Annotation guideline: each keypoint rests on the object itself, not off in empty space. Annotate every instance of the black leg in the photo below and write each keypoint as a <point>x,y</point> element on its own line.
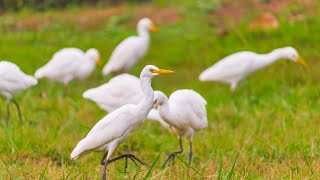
<point>190,156</point>
<point>104,170</point>
<point>8,112</point>
<point>132,157</point>
<point>104,165</point>
<point>126,165</point>
<point>18,108</point>
<point>172,155</point>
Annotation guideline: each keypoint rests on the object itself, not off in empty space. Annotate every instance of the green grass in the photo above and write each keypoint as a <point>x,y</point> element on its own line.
<point>272,134</point>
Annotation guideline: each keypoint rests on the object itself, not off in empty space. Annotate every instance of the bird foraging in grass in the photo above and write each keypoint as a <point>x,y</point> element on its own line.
<point>236,67</point>
<point>115,127</point>
<point>12,81</point>
<point>130,50</point>
<point>69,64</point>
<point>185,112</point>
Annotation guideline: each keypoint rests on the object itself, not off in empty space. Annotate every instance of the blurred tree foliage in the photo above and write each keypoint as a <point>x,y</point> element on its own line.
<point>15,5</point>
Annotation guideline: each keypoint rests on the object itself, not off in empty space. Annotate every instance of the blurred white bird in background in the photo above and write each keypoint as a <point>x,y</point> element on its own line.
<point>185,112</point>
<point>69,64</point>
<point>236,67</point>
<point>114,128</point>
<point>130,50</point>
<point>12,81</point>
<point>120,90</point>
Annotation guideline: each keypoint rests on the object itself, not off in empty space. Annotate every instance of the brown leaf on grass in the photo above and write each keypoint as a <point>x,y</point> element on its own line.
<point>266,21</point>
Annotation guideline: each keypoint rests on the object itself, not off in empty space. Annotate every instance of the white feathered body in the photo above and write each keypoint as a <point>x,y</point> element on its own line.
<point>231,68</point>
<point>66,65</point>
<point>13,80</point>
<point>236,67</point>
<point>186,113</point>
<point>110,131</point>
<point>127,54</point>
<point>120,90</point>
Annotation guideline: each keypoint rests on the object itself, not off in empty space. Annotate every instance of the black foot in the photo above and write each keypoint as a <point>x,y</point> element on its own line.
<point>132,157</point>
<point>170,159</point>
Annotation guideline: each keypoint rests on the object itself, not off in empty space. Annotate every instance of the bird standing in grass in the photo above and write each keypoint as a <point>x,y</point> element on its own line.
<point>236,67</point>
<point>12,81</point>
<point>120,90</point>
<point>185,112</point>
<point>114,128</point>
<point>68,64</point>
<point>130,50</point>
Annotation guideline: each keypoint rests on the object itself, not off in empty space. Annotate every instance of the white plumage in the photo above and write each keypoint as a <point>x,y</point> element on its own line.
<point>130,50</point>
<point>185,112</point>
<point>114,128</point>
<point>120,90</point>
<point>236,67</point>
<point>12,81</point>
<point>69,64</point>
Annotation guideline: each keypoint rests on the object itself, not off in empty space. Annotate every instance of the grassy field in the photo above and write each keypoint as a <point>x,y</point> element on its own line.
<point>271,134</point>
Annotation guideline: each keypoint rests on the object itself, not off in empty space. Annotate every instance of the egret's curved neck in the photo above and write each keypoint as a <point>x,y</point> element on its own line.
<point>88,65</point>
<point>267,59</point>
<point>164,109</point>
<point>147,101</point>
<point>143,32</point>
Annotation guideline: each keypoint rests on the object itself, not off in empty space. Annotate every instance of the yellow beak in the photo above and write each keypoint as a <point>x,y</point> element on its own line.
<point>154,104</point>
<point>162,71</point>
<point>153,28</point>
<point>99,62</point>
<point>301,61</point>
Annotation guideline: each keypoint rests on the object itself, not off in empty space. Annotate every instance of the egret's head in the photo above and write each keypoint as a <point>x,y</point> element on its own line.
<point>151,71</point>
<point>159,98</point>
<point>292,54</point>
<point>93,54</point>
<point>146,24</point>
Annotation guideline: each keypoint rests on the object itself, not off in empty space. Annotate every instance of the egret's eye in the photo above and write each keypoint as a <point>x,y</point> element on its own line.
<point>152,70</point>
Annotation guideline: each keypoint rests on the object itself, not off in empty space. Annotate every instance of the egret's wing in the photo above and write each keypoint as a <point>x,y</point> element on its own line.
<point>64,62</point>
<point>111,127</point>
<point>125,55</point>
<point>13,79</point>
<point>230,67</point>
<point>120,90</point>
<point>189,107</point>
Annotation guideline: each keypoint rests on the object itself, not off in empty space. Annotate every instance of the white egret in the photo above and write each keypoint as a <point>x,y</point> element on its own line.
<point>236,67</point>
<point>120,90</point>
<point>185,112</point>
<point>130,50</point>
<point>12,81</point>
<point>68,64</point>
<point>115,127</point>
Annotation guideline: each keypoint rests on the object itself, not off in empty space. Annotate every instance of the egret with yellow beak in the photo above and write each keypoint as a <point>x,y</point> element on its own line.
<point>69,64</point>
<point>114,128</point>
<point>130,50</point>
<point>236,67</point>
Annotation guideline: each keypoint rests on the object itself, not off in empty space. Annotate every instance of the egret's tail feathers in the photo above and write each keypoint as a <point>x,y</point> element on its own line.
<point>39,73</point>
<point>32,81</point>
<point>78,151</point>
<point>203,76</point>
<point>106,70</point>
<point>89,94</point>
